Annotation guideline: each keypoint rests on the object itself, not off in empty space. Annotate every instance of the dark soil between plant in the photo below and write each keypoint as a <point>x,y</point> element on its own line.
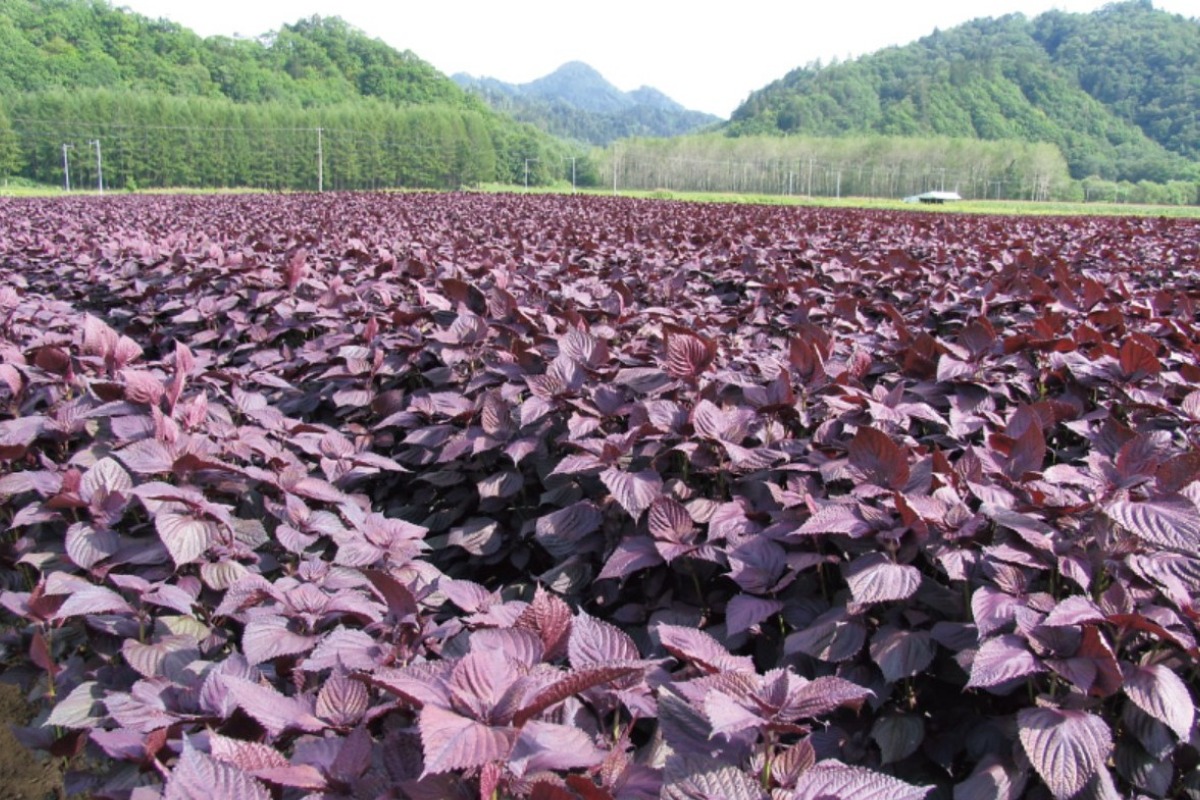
<point>23,776</point>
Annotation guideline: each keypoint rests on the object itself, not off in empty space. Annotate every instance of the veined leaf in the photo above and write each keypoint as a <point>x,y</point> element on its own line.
<point>875,578</point>
<point>452,741</point>
<point>1066,747</point>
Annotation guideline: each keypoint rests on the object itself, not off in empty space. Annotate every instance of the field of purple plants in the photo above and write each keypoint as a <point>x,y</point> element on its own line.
<point>459,496</point>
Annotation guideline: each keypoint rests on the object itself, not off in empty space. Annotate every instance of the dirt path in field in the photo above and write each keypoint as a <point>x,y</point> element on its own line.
<point>22,776</point>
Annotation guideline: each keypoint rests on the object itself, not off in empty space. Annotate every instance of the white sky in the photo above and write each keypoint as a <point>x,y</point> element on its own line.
<point>707,56</point>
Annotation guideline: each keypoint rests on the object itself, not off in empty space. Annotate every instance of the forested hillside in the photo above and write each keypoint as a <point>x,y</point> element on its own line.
<point>577,102</point>
<point>1116,90</point>
<point>171,108</point>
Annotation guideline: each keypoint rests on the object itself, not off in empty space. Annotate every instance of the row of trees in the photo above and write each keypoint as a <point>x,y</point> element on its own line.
<point>870,166</point>
<point>153,140</point>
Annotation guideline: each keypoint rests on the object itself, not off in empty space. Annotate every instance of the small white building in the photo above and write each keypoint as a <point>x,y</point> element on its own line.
<point>933,197</point>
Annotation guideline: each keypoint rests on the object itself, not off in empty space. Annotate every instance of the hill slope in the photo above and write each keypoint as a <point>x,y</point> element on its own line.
<point>70,44</point>
<point>1115,90</point>
<point>317,103</point>
<point>577,102</point>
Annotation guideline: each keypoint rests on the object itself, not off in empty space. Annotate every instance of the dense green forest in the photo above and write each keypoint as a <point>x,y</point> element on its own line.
<point>170,108</point>
<point>1116,90</point>
<point>576,102</point>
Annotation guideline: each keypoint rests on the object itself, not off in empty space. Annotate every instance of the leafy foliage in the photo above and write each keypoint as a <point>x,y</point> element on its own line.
<point>553,497</point>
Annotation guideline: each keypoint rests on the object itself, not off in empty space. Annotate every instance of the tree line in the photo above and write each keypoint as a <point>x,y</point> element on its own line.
<point>159,141</point>
<point>867,166</point>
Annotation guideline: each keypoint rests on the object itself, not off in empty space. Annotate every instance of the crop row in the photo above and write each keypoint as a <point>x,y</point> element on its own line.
<point>436,496</point>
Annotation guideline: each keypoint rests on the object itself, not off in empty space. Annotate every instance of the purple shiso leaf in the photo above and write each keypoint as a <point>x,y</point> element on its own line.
<point>714,782</point>
<point>878,460</point>
<point>833,779</point>
<point>631,554</point>
<point>152,659</point>
<point>1162,694</point>
<point>269,637</point>
<point>550,618</point>
<point>595,642</point>
<point>730,425</point>
<point>87,600</point>
<point>898,736</point>
<point>186,536</point>
<point>992,609</point>
<point>820,696</point>
<point>573,683</point>
<point>669,521</point>
<point>727,716</point>
<point>901,654</point>
<point>835,636</point>
<point>81,709</point>
<point>418,684</point>
<point>342,701</point>
<point>451,741</point>
<point>42,482</point>
<point>246,756</point>
<point>147,457</point>
<point>634,491</point>
<point>521,645</point>
<point>274,711</point>
<point>1074,610</point>
<point>875,578</point>
<point>993,779</point>
<point>697,647</point>
<point>198,776</point>
<point>688,353</point>
<point>561,531</point>
<point>87,545</point>
<point>352,649</point>
<point>142,709</point>
<point>1172,523</point>
<point>300,776</point>
<point>584,348</point>
<point>1066,747</point>
<point>105,478</point>
<point>834,518</point>
<point>545,746</point>
<point>1002,659</point>
<point>745,611</point>
<point>480,679</point>
<point>354,757</point>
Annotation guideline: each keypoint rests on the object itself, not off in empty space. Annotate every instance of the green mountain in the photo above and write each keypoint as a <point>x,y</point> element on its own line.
<point>82,44</point>
<point>1116,90</point>
<point>314,103</point>
<point>575,101</point>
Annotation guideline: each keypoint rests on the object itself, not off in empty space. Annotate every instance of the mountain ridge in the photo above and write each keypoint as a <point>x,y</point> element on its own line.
<point>577,102</point>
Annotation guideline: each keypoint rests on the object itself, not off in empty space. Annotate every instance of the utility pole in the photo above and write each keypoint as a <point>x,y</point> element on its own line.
<point>527,173</point>
<point>99,167</point>
<point>320,161</point>
<point>564,158</point>
<point>67,166</point>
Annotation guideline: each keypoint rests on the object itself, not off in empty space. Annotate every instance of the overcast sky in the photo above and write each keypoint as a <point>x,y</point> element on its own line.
<point>707,57</point>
